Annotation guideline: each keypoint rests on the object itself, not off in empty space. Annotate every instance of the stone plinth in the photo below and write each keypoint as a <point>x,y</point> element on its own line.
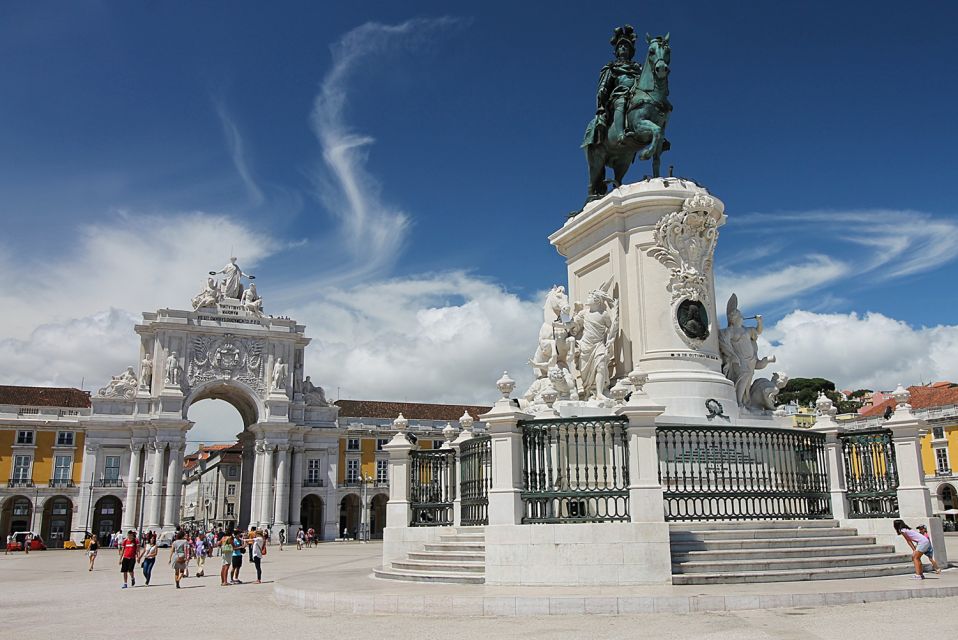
<point>655,240</point>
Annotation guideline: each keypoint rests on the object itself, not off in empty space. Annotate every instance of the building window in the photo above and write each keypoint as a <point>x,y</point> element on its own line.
<point>21,507</point>
<point>231,489</point>
<point>941,458</point>
<point>352,444</point>
<point>352,471</point>
<point>60,507</point>
<point>230,509</point>
<point>24,437</point>
<point>938,432</point>
<point>61,468</point>
<point>231,472</point>
<point>111,468</point>
<point>313,471</point>
<point>64,438</point>
<point>382,471</point>
<point>380,443</point>
<point>21,468</point>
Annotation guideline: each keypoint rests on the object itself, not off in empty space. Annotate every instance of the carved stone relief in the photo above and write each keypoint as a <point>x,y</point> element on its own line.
<point>227,357</point>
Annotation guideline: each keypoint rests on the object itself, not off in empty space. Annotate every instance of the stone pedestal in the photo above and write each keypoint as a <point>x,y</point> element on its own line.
<point>655,240</point>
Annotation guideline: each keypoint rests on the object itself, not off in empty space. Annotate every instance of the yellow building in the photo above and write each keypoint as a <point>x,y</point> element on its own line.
<point>41,456</point>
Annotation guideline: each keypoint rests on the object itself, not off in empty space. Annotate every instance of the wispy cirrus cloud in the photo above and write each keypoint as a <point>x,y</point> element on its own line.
<point>374,230</point>
<point>237,149</point>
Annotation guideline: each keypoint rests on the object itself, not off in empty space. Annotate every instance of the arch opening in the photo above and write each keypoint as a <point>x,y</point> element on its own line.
<point>377,515</point>
<point>311,515</point>
<point>57,521</point>
<point>349,515</point>
<point>107,512</point>
<point>16,515</point>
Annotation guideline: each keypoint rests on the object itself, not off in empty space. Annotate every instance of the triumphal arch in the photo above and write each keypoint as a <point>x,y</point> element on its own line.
<point>225,347</point>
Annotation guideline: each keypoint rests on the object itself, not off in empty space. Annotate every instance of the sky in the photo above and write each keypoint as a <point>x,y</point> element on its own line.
<point>390,173</point>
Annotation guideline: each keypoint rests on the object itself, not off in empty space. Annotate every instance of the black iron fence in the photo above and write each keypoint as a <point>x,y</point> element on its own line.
<point>431,489</point>
<point>475,469</point>
<point>741,473</point>
<point>871,474</point>
<point>575,470</point>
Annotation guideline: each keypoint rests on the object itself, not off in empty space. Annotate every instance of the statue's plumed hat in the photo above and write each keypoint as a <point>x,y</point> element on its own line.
<point>624,34</point>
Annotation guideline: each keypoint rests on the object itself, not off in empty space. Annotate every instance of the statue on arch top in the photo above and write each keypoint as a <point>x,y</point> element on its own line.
<point>232,286</point>
<point>632,110</point>
<point>209,296</point>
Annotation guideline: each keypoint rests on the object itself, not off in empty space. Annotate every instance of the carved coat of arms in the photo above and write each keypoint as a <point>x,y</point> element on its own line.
<point>227,357</point>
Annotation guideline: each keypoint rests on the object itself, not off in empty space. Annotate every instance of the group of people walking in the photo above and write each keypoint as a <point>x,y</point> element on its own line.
<point>231,545</point>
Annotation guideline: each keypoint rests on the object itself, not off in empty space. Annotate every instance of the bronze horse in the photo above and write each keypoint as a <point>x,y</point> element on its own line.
<point>642,129</point>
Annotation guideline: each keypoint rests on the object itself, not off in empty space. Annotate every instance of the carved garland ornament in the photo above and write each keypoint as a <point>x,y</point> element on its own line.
<point>685,242</point>
<point>227,358</point>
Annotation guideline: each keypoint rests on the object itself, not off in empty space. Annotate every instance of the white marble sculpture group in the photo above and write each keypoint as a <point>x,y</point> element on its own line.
<point>574,357</point>
<point>231,286</point>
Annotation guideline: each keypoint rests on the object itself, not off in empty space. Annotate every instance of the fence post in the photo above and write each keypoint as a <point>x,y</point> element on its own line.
<point>398,513</point>
<point>466,423</point>
<point>834,456</point>
<point>645,490</point>
<point>914,499</point>
<point>502,424</point>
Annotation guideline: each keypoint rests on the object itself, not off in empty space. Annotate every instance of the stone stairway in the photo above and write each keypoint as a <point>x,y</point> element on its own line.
<point>777,551</point>
<point>458,558</point>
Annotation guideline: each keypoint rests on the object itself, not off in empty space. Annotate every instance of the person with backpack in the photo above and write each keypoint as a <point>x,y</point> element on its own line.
<point>258,550</point>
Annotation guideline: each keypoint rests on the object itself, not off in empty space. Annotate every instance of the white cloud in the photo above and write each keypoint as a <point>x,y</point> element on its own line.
<point>374,231</point>
<point>781,283</point>
<point>237,149</point>
<point>862,351</point>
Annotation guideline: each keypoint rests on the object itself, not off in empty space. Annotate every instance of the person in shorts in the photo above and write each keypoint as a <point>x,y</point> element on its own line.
<point>239,546</point>
<point>919,544</point>
<point>91,551</point>
<point>128,548</point>
<point>923,530</point>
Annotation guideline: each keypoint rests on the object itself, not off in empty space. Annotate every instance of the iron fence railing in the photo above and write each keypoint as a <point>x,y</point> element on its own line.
<point>742,473</point>
<point>871,474</point>
<point>475,479</point>
<point>575,470</point>
<point>431,490</point>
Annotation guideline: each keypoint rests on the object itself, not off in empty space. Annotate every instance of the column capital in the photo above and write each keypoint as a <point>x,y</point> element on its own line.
<point>91,447</point>
<point>137,443</point>
<point>300,449</point>
<point>158,445</point>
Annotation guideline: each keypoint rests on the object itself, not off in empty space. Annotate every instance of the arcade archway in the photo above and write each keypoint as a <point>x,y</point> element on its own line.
<point>377,515</point>
<point>349,514</point>
<point>57,521</point>
<point>107,512</point>
<point>311,512</point>
<point>16,515</point>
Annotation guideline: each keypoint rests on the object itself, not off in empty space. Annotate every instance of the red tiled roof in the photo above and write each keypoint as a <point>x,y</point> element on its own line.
<point>410,410</point>
<point>935,395</point>
<point>44,396</point>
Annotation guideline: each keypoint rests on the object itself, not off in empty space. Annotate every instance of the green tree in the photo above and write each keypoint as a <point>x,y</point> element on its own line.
<point>805,391</point>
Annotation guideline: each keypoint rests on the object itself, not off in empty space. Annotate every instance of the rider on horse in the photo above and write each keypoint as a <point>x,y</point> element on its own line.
<point>617,82</point>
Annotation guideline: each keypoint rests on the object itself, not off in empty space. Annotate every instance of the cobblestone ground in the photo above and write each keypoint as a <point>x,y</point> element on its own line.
<point>52,595</point>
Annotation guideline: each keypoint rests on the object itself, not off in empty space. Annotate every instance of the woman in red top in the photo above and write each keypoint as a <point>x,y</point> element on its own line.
<point>128,548</point>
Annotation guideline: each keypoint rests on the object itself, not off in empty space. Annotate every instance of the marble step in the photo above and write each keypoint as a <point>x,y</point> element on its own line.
<point>739,566</point>
<point>419,576</point>
<point>794,575</point>
<point>760,554</point>
<point>753,524</point>
<point>462,537</point>
<point>691,544</point>
<point>682,535</point>
<point>431,566</point>
<point>456,546</point>
<point>448,556</point>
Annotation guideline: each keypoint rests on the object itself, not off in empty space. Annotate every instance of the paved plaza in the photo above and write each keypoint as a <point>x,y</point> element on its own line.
<point>51,594</point>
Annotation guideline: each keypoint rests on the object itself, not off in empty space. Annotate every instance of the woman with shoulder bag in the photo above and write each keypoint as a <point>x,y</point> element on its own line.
<point>258,551</point>
<point>178,557</point>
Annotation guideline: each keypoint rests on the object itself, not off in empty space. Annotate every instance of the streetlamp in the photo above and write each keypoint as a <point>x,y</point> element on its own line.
<point>141,484</point>
<point>364,511</point>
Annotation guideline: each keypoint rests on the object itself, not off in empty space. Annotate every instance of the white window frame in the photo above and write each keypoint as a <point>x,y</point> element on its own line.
<point>62,472</point>
<point>314,470</point>
<point>107,475</point>
<point>382,471</point>
<point>352,470</point>
<point>942,463</point>
<point>380,442</point>
<point>349,444</point>
<point>65,438</point>
<point>230,509</point>
<point>27,474</point>
<point>232,471</point>
<point>26,432</point>
<point>231,489</point>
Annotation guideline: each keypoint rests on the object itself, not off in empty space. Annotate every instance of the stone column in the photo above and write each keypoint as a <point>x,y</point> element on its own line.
<point>296,491</point>
<point>645,491</point>
<point>156,495</point>
<point>257,492</point>
<point>281,508</point>
<point>398,512</point>
<point>174,486</point>
<point>83,519</point>
<point>834,457</point>
<point>130,506</point>
<point>502,424</point>
<point>914,499</point>
<point>266,513</point>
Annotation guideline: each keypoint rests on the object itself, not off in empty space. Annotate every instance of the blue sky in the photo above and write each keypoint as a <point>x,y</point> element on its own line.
<point>389,169</point>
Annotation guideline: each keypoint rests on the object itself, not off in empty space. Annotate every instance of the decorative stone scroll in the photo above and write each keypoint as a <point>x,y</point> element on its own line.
<point>685,243</point>
<point>227,358</point>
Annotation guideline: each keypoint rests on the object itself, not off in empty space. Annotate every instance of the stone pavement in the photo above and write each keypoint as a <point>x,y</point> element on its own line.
<point>51,594</point>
